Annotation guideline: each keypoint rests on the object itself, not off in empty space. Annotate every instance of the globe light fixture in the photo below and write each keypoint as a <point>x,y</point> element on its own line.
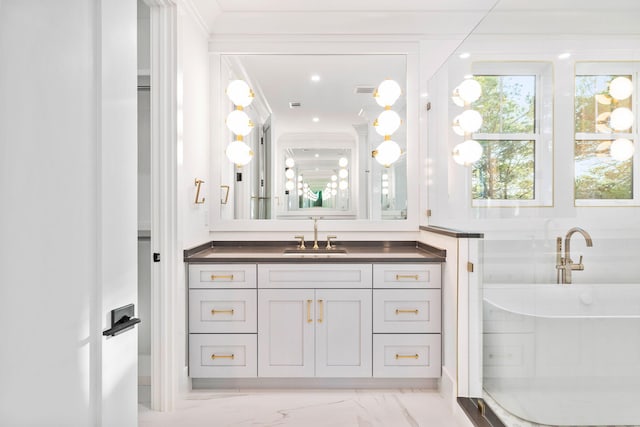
<point>468,91</point>
<point>343,173</point>
<point>621,119</point>
<point>343,185</point>
<point>620,88</point>
<point>239,123</point>
<point>470,121</point>
<point>289,185</point>
<point>387,122</point>
<point>387,152</point>
<point>387,93</point>
<point>239,152</point>
<point>289,162</point>
<point>289,173</point>
<point>343,162</point>
<point>240,93</point>
<point>622,149</point>
<point>467,152</point>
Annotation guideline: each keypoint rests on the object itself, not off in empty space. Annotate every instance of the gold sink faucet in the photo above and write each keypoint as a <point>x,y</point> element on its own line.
<point>315,231</point>
<point>565,264</point>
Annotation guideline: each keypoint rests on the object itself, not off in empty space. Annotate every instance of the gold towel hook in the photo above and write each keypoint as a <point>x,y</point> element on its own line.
<point>198,183</point>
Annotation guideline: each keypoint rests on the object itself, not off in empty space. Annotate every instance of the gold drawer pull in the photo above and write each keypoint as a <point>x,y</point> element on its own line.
<point>406,276</point>
<point>321,309</point>
<point>407,356</point>
<point>222,356</point>
<point>309,320</point>
<point>214,312</point>
<point>399,311</point>
<point>225,276</point>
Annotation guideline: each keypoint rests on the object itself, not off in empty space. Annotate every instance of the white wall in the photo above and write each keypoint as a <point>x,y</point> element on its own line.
<point>60,252</point>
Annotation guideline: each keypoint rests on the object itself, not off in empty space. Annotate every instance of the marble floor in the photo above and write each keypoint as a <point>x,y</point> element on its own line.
<point>308,408</point>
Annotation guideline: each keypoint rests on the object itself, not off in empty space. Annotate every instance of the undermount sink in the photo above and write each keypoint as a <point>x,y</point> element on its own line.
<point>308,252</point>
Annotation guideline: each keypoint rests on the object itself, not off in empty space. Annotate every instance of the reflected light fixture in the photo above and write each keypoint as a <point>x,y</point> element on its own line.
<point>315,78</point>
<point>621,149</point>
<point>239,122</point>
<point>387,122</point>
<point>388,152</point>
<point>620,88</point>
<point>289,162</point>
<point>621,119</point>
<point>467,152</point>
<point>387,93</point>
<point>343,162</point>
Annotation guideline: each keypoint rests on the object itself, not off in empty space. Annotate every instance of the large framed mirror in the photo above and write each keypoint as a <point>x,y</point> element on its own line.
<point>312,139</point>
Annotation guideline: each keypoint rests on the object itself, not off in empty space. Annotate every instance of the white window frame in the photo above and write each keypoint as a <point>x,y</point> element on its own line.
<point>543,130</point>
<point>631,68</point>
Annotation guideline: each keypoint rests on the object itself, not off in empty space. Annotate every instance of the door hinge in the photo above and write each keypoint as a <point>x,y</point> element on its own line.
<point>470,267</point>
<point>428,212</point>
<point>156,257</point>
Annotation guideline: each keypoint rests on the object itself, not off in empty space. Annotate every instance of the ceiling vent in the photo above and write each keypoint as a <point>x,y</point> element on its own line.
<point>295,104</point>
<point>367,90</point>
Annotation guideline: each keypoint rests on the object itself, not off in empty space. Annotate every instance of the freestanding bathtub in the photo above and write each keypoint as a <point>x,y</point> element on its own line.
<point>563,355</point>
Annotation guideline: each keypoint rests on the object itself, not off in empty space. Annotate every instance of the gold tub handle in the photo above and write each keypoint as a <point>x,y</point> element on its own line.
<point>406,276</point>
<point>399,311</point>
<point>407,356</point>
<point>222,356</point>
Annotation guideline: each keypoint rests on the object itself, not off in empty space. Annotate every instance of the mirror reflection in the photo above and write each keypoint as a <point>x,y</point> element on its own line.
<point>308,141</point>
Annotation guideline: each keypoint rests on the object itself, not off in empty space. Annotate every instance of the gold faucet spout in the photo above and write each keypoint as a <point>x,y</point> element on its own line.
<point>566,263</point>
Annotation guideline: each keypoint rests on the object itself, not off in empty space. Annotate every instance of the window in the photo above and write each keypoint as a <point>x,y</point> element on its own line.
<point>604,177</point>
<point>515,167</point>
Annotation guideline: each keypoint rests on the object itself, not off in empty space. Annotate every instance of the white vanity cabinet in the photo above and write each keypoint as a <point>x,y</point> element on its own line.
<point>307,327</point>
<point>406,320</point>
<point>315,319</point>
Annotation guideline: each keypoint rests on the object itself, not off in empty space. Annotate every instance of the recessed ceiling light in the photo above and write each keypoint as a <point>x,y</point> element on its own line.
<point>316,155</point>
<point>464,55</point>
<point>316,119</point>
<point>564,55</point>
<point>315,78</point>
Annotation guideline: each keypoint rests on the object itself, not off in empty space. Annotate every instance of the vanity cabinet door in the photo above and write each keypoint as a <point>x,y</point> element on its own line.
<point>286,319</point>
<point>343,333</point>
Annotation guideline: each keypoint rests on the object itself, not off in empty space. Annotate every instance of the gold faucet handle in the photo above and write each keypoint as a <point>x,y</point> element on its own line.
<point>301,238</point>
<point>329,237</point>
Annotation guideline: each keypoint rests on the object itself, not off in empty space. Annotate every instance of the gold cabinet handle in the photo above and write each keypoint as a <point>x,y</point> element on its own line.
<point>214,312</point>
<point>321,310</point>
<point>309,320</point>
<point>406,276</point>
<point>222,356</point>
<point>199,201</point>
<point>223,276</point>
<point>407,356</point>
<point>226,195</point>
<point>399,311</point>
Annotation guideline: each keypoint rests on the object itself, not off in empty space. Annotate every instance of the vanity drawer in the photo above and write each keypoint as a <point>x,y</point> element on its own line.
<point>406,310</point>
<point>406,276</point>
<point>406,355</point>
<point>226,311</point>
<point>222,276</point>
<point>318,275</point>
<point>223,355</point>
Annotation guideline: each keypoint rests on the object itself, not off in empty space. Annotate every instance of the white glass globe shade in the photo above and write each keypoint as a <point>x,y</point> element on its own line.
<point>289,162</point>
<point>334,177</point>
<point>343,173</point>
<point>387,93</point>
<point>385,176</point>
<point>469,90</point>
<point>385,184</point>
<point>622,149</point>
<point>334,185</point>
<point>456,99</point>
<point>344,185</point>
<point>388,122</point>
<point>289,185</point>
<point>620,88</point>
<point>343,162</point>
<point>305,185</point>
<point>239,93</point>
<point>300,178</point>
<point>300,193</point>
<point>334,192</point>
<point>385,191</point>
<point>289,173</point>
<point>239,123</point>
<point>470,121</point>
<point>387,153</point>
<point>621,119</point>
<point>467,152</point>
<point>239,153</point>
<point>456,126</point>
<point>299,185</point>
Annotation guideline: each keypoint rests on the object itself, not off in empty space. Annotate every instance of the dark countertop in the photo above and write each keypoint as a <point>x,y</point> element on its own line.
<point>272,252</point>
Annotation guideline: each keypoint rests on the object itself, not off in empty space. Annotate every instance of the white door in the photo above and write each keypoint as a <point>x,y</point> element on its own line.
<point>343,333</point>
<point>117,207</point>
<point>285,332</point>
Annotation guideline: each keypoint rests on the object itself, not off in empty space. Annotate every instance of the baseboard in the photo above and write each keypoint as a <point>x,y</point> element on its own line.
<point>313,383</point>
<point>448,388</point>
